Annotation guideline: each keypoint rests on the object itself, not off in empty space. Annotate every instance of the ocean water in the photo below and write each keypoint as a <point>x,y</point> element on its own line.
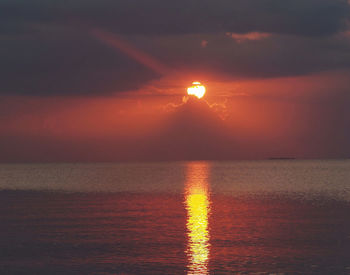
<point>257,217</point>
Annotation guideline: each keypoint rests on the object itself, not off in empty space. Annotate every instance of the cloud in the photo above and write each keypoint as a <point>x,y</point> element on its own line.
<point>216,109</point>
<point>76,63</point>
<point>67,63</point>
<point>47,49</point>
<point>204,43</point>
<point>279,55</point>
<point>303,17</point>
<point>250,36</point>
<point>193,130</point>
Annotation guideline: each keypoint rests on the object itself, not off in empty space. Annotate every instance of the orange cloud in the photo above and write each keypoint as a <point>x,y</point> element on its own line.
<point>250,36</point>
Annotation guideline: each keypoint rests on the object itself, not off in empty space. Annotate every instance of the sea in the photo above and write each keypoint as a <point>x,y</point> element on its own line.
<point>200,217</point>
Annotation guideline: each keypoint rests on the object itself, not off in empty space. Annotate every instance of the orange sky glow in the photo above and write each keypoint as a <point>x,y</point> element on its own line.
<point>240,119</point>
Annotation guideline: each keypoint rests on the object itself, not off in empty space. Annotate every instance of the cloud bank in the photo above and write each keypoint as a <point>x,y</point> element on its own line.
<point>47,47</point>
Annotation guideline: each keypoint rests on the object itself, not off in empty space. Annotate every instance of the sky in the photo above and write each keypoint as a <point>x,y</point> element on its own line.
<point>106,80</point>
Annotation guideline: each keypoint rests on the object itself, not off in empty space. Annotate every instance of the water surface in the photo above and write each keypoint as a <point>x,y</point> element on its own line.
<point>263,217</point>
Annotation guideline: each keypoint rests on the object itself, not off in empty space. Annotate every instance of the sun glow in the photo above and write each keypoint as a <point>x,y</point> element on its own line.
<point>197,89</point>
<point>198,208</point>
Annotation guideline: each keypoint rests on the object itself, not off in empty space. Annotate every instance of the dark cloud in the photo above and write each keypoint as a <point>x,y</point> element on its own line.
<point>46,48</point>
<point>194,130</point>
<point>272,56</point>
<point>66,62</point>
<point>305,17</point>
<point>70,62</point>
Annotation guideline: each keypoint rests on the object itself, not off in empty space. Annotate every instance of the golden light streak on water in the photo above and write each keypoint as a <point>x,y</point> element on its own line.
<point>198,207</point>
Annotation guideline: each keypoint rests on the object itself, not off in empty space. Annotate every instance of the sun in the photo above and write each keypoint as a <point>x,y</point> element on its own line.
<point>197,89</point>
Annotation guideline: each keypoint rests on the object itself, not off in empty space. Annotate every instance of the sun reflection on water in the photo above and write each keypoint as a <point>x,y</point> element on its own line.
<point>198,208</point>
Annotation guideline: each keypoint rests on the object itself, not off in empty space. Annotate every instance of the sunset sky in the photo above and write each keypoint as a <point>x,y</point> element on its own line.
<point>101,80</point>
